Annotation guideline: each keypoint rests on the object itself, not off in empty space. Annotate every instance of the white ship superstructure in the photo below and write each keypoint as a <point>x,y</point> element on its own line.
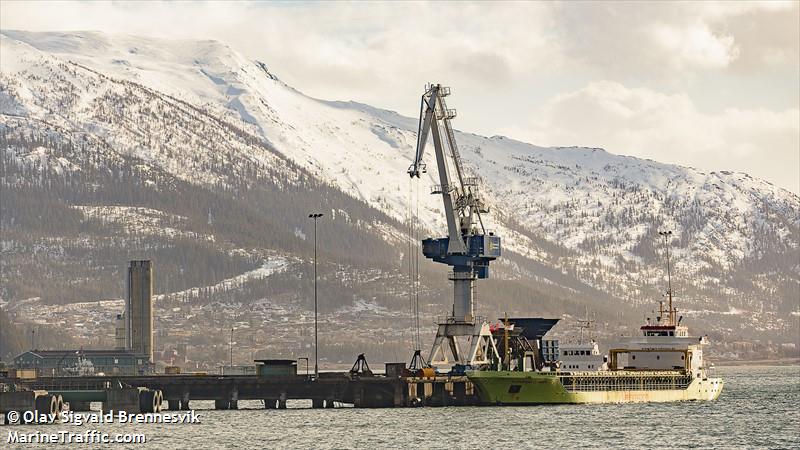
<point>581,356</point>
<point>663,345</point>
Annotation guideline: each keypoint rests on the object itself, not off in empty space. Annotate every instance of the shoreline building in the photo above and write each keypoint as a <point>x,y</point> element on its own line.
<point>59,363</point>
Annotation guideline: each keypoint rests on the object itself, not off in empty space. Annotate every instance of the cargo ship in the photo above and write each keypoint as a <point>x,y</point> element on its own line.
<point>662,364</point>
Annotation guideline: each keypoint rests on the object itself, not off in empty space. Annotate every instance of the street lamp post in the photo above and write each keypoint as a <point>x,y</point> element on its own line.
<point>230,366</point>
<point>315,216</point>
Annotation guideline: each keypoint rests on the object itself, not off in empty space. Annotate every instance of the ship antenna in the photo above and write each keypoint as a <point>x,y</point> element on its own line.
<point>585,323</point>
<point>666,235</point>
<point>506,355</point>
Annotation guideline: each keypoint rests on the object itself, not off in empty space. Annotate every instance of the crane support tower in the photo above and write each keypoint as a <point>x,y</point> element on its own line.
<point>467,248</point>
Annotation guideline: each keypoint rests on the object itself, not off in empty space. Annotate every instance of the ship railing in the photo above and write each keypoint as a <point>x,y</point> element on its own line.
<point>589,381</point>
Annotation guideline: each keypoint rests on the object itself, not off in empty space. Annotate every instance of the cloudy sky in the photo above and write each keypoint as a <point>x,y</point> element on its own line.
<point>710,85</point>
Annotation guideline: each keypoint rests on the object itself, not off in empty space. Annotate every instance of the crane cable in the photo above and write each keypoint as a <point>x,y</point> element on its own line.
<point>409,263</point>
<point>417,251</point>
<point>413,250</point>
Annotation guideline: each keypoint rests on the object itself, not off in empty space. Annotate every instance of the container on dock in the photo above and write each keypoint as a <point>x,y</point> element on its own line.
<point>395,369</point>
<point>23,374</point>
<point>276,367</point>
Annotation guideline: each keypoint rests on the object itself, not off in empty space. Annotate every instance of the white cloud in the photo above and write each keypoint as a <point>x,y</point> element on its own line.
<point>694,45</point>
<point>669,127</point>
<point>738,60</point>
<point>673,39</point>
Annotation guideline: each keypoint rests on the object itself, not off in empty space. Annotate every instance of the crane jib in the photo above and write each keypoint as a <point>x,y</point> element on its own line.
<point>468,248</point>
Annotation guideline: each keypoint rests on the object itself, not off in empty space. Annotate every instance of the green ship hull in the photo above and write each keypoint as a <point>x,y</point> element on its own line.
<point>531,388</point>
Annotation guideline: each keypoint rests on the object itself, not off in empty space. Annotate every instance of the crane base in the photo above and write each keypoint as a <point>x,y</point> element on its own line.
<point>451,337</point>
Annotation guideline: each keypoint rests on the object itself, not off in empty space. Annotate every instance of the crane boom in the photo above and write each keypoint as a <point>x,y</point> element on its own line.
<point>462,205</point>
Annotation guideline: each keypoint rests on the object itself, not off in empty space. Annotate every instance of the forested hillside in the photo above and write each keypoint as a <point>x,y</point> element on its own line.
<point>186,153</point>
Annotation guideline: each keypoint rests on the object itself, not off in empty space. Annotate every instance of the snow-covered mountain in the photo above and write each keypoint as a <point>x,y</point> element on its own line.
<point>199,113</point>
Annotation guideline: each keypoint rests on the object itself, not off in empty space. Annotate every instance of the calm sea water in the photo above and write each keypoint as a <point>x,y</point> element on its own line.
<point>759,408</point>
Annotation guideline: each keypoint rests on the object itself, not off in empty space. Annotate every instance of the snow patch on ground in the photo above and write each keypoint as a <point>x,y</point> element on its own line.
<point>267,268</point>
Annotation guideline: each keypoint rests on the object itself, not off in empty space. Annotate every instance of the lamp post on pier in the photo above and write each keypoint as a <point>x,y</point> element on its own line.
<point>230,366</point>
<point>315,216</point>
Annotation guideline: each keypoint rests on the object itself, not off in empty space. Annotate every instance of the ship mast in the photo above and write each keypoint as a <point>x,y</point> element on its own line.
<point>667,234</point>
<point>585,323</point>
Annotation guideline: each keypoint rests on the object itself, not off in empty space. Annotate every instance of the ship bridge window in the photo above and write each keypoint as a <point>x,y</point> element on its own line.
<point>657,333</point>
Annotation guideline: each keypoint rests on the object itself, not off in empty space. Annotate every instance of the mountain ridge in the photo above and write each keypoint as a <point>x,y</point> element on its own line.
<point>581,211</point>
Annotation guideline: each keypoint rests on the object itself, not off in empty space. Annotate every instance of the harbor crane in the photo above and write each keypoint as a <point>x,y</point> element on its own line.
<point>468,247</point>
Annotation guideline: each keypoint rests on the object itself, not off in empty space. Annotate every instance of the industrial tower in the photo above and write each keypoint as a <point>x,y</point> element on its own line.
<point>467,247</point>
<point>139,308</point>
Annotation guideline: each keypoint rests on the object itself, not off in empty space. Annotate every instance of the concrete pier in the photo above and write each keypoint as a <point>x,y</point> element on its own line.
<point>25,401</point>
<point>80,406</point>
<point>282,401</point>
<point>133,400</point>
<point>220,404</point>
<point>180,403</point>
<point>126,399</point>
<point>344,388</point>
<point>42,402</point>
